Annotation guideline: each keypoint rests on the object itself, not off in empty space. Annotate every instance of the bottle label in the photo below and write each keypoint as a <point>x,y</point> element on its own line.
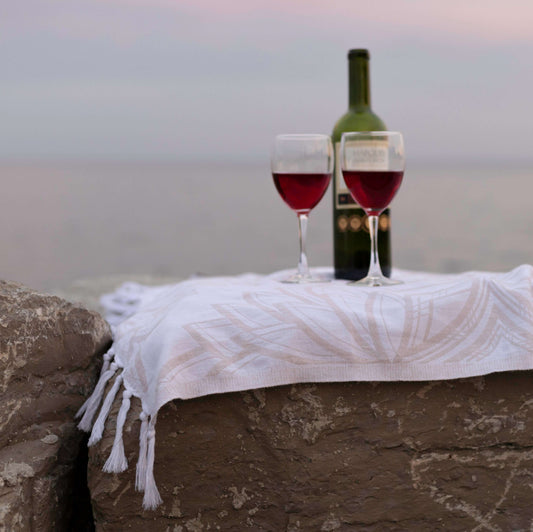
<point>356,223</point>
<point>363,154</point>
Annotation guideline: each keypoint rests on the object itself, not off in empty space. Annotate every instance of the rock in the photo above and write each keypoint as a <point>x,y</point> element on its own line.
<point>47,369</point>
<point>418,456</point>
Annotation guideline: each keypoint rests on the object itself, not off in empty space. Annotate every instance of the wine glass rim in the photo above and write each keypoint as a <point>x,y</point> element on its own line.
<point>371,133</point>
<point>300,136</point>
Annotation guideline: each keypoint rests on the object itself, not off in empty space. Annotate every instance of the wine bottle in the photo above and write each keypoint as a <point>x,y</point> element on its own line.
<point>350,225</point>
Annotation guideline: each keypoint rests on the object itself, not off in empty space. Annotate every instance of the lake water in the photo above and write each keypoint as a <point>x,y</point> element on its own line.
<point>62,222</point>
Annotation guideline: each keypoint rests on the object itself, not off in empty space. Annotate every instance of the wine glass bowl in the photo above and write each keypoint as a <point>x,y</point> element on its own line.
<point>372,165</point>
<point>301,192</point>
<point>301,168</point>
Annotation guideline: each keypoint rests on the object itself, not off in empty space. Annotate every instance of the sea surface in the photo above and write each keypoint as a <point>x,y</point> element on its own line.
<point>61,222</point>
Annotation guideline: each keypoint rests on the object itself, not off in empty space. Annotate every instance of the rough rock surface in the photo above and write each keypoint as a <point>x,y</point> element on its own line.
<point>47,369</point>
<point>404,456</point>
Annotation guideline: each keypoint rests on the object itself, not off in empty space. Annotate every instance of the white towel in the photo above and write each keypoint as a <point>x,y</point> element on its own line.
<point>225,334</point>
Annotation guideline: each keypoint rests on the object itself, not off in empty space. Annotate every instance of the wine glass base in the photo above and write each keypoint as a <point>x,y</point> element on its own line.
<point>298,278</point>
<point>371,280</point>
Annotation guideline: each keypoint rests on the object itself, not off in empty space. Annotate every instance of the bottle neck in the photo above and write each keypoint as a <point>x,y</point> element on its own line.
<point>359,83</point>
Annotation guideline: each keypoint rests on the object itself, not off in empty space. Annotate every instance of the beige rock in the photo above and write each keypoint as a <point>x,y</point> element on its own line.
<point>410,456</point>
<point>47,369</point>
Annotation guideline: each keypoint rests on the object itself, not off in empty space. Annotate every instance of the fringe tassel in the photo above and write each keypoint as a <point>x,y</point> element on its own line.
<point>98,427</point>
<point>116,463</point>
<point>140,474</point>
<point>105,366</point>
<point>94,401</point>
<point>151,499</point>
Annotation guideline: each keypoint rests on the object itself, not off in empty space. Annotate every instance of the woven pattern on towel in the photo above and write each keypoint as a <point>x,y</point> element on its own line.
<point>225,334</point>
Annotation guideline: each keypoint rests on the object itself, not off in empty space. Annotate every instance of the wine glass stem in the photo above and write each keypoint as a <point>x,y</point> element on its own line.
<point>303,268</point>
<point>375,269</point>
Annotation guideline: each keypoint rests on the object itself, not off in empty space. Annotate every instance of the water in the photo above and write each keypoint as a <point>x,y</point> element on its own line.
<point>62,222</point>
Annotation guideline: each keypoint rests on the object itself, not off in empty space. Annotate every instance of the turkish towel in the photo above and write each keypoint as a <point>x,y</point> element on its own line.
<point>225,334</point>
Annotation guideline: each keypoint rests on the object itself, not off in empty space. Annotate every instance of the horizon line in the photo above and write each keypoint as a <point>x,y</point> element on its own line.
<point>170,159</point>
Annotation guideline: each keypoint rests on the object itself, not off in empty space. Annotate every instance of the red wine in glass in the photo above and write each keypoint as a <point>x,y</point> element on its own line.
<point>372,164</point>
<point>301,166</point>
<point>373,189</point>
<point>301,192</point>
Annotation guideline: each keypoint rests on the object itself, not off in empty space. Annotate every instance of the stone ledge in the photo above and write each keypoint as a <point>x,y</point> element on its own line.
<point>443,455</point>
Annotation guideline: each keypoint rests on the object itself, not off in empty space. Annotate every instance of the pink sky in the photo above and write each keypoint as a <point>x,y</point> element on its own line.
<point>492,20</point>
<point>165,70</point>
<point>484,21</point>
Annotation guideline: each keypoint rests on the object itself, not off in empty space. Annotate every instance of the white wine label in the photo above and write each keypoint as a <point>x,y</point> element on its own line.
<point>367,154</point>
<point>363,154</point>
<point>343,199</point>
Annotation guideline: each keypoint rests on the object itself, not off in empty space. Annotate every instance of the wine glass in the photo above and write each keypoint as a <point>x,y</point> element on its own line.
<point>372,164</point>
<point>301,167</point>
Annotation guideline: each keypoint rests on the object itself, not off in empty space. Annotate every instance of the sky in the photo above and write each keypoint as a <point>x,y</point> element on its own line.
<point>212,79</point>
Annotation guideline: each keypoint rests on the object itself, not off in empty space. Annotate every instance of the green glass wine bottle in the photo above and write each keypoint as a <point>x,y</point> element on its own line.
<point>350,226</point>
